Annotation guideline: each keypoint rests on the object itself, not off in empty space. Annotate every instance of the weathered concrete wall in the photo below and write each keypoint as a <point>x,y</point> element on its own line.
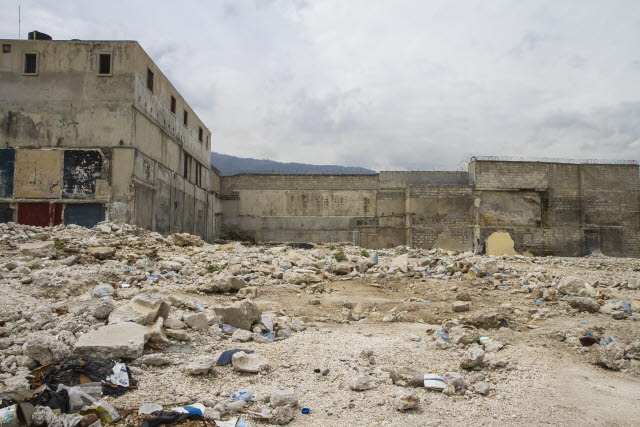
<point>547,208</point>
<point>560,208</point>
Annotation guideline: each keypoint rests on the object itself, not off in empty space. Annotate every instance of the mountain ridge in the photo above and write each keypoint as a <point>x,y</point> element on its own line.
<point>231,165</point>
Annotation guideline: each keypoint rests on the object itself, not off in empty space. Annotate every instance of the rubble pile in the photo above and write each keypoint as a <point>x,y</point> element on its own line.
<point>258,319</point>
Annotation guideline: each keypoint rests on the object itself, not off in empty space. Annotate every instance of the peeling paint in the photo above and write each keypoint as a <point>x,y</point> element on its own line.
<point>81,169</point>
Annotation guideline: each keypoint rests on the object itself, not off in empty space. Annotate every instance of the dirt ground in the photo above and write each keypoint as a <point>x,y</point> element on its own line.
<point>535,372</point>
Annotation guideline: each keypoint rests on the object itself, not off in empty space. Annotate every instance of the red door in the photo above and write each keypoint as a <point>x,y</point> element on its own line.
<point>40,214</point>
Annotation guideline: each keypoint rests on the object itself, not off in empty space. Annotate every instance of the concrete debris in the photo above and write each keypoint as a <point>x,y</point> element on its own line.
<point>102,252</point>
<point>46,349</point>
<point>473,358</point>
<point>352,330</point>
<point>584,304</point>
<point>124,340</point>
<point>252,363</point>
<point>243,314</point>
<point>185,239</point>
<point>202,365</point>
<point>407,402</point>
<point>286,397</point>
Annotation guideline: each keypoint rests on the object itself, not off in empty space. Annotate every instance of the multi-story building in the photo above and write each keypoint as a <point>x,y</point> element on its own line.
<point>93,130</point>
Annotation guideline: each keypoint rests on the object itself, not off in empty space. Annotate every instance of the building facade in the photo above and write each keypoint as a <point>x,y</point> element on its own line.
<point>93,130</point>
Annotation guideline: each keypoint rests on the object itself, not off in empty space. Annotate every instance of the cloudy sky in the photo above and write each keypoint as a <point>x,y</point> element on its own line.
<point>384,84</point>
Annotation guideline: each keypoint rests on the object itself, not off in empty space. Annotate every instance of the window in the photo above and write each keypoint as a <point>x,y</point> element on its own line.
<point>30,63</point>
<point>185,118</point>
<point>173,104</point>
<point>6,48</point>
<point>150,79</point>
<point>104,64</point>
<point>200,134</point>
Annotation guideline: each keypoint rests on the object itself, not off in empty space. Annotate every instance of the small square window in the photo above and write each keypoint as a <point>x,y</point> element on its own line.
<point>104,64</point>
<point>6,48</point>
<point>30,63</point>
<point>185,118</point>
<point>173,104</point>
<point>149,79</point>
<point>200,134</point>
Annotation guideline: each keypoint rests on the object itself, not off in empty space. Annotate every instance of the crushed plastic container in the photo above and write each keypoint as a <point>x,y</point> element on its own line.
<point>195,409</point>
<point>434,382</point>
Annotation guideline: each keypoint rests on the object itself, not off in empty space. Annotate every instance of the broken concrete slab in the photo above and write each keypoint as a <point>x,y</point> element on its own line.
<point>102,252</point>
<point>185,239</point>
<point>124,340</point>
<point>243,314</point>
<point>144,309</point>
<point>251,363</point>
<point>38,249</point>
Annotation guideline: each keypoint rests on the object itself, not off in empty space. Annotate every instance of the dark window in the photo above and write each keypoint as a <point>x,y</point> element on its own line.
<point>200,134</point>
<point>186,166</point>
<point>185,118</point>
<point>104,66</point>
<point>6,48</point>
<point>150,80</point>
<point>173,104</point>
<point>30,63</point>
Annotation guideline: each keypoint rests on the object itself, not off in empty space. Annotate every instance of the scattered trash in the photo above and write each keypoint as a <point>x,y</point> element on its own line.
<point>588,341</point>
<point>434,382</point>
<point>195,409</point>
<point>305,411</point>
<point>120,376</point>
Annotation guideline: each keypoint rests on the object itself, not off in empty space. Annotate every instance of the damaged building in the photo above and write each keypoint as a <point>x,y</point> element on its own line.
<point>93,130</point>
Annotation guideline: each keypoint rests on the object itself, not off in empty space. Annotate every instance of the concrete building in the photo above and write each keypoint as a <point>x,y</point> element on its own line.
<point>92,130</point>
<point>548,207</point>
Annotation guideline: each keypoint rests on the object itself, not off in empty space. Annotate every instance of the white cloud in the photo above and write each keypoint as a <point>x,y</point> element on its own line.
<point>403,84</point>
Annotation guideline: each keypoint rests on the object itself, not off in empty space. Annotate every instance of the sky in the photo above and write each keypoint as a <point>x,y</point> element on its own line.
<point>384,84</point>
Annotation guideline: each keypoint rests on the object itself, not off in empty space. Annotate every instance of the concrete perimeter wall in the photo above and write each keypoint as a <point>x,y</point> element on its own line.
<point>548,208</point>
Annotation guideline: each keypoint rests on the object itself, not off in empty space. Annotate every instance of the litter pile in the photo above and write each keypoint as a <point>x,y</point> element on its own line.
<point>237,334</point>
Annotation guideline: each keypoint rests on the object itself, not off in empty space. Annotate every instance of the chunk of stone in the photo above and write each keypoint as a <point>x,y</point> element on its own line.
<point>406,377</point>
<point>460,306</point>
<point>482,388</point>
<point>608,356</point>
<point>455,383</point>
<point>342,268</point>
<point>362,383</point>
<point>584,304</point>
<point>201,365</point>
<point>472,358</point>
<point>177,334</point>
<point>155,332</point>
<point>103,309</point>
<point>401,262</point>
<point>46,349</point>
<point>241,335</point>
<point>236,283</point>
<point>154,360</point>
<point>407,402</point>
<point>282,415</point>
<point>242,314</point>
<point>143,309</point>
<point>286,397</point>
<point>197,321</point>
<point>570,285</point>
<point>38,249</point>
<point>252,363</point>
<point>248,292</point>
<point>185,239</point>
<point>102,252</point>
<point>124,340</point>
<point>170,265</point>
